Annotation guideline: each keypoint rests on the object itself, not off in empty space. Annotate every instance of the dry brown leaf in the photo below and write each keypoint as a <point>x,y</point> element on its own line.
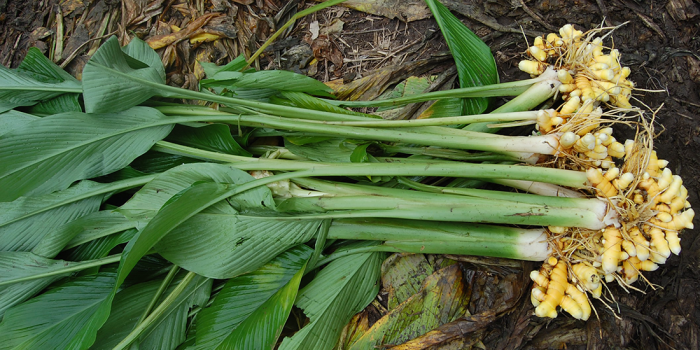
<point>160,41</point>
<point>373,85</point>
<point>693,68</point>
<point>325,49</point>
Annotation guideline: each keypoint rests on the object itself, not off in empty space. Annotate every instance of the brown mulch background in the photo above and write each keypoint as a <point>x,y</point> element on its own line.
<point>661,43</point>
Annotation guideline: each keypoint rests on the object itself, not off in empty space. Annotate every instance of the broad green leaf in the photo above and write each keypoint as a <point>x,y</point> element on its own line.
<point>14,119</point>
<point>106,87</point>
<point>37,79</point>
<point>84,229</point>
<point>79,146</point>
<point>59,104</point>
<point>153,162</point>
<point>210,69</point>
<point>268,79</point>
<point>27,220</point>
<point>442,298</point>
<point>359,154</point>
<point>99,248</point>
<point>156,193</point>
<point>208,137</point>
<point>249,312</point>
<point>139,50</point>
<point>227,245</point>
<point>475,63</point>
<point>14,265</point>
<point>343,288</point>
<point>64,318</point>
<point>37,66</point>
<point>176,210</point>
<point>169,331</point>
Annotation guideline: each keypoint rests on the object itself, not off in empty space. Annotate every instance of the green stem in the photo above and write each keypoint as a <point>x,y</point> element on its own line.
<point>141,327</point>
<point>450,154</point>
<point>447,137</point>
<point>528,100</point>
<point>592,204</point>
<point>161,289</point>
<point>467,119</point>
<point>414,236</point>
<point>450,208</point>
<point>393,167</point>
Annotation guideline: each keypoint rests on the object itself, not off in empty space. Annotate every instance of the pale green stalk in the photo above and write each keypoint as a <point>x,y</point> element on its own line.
<point>158,312</point>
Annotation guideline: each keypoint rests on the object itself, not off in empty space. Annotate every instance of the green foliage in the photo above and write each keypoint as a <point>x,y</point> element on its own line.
<point>65,317</point>
<point>475,63</point>
<point>80,146</point>
<point>14,265</point>
<point>113,80</point>
<point>250,311</point>
<point>343,288</point>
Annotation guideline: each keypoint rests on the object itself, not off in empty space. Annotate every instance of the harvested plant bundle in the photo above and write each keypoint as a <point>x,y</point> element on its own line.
<point>172,182</point>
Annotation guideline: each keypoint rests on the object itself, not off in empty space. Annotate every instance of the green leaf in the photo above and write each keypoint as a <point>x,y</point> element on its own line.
<point>105,84</point>
<point>250,311</point>
<point>36,80</point>
<point>359,154</point>
<point>37,66</point>
<point>82,230</point>
<point>156,193</point>
<point>59,104</point>
<point>50,153</point>
<point>99,248</point>
<point>153,162</point>
<point>14,119</point>
<point>177,210</point>
<point>42,69</point>
<point>14,265</point>
<point>475,63</point>
<point>227,245</point>
<point>209,137</point>
<point>139,50</point>
<point>268,79</point>
<point>169,331</point>
<point>210,69</point>
<point>343,288</point>
<point>19,89</point>
<point>27,220</point>
<point>65,317</point>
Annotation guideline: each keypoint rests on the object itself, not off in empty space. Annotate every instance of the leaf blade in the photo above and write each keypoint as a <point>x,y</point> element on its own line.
<point>339,291</point>
<point>250,310</point>
<point>81,146</point>
<point>475,63</point>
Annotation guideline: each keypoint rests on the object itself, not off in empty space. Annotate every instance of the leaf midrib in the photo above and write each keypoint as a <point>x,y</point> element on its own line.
<point>86,143</point>
<point>62,321</point>
<point>95,192</point>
